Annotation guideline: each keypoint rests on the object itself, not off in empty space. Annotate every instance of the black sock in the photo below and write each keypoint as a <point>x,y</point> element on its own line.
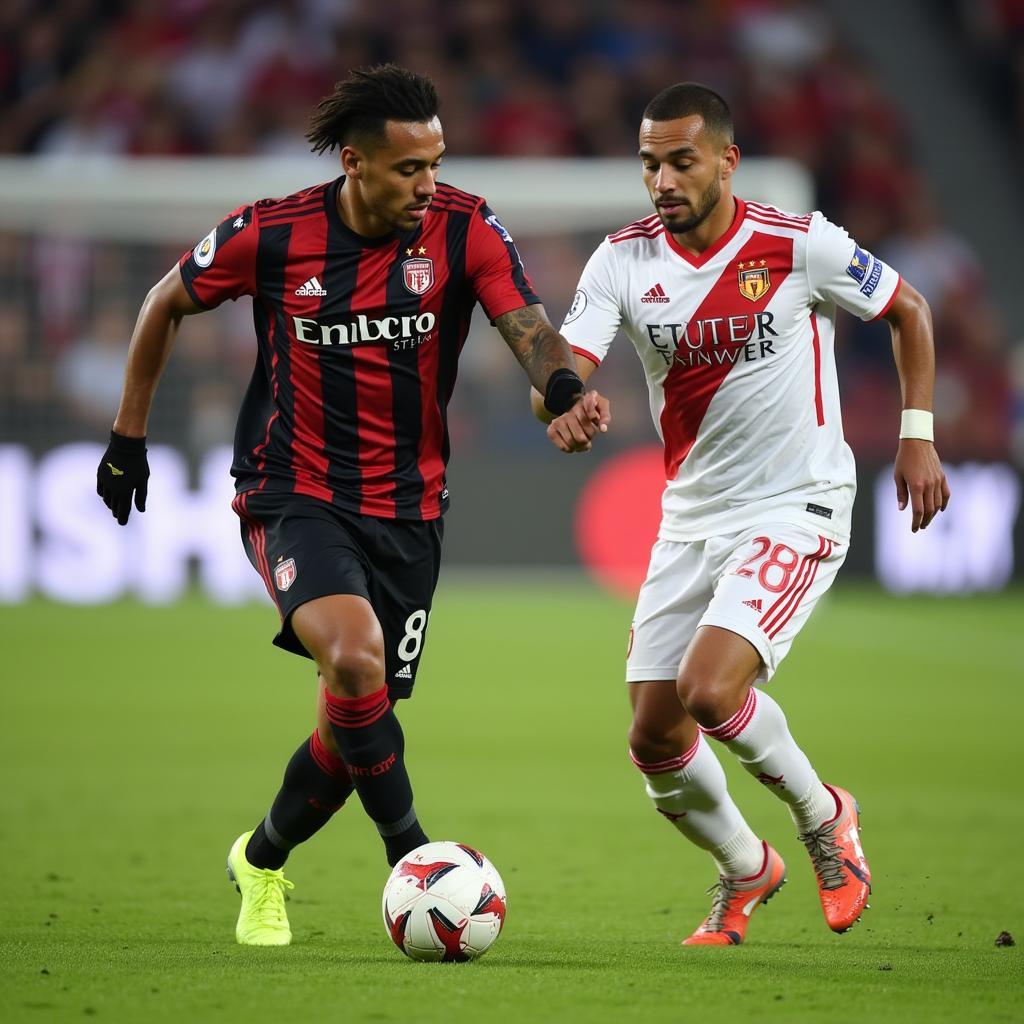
<point>396,847</point>
<point>371,743</point>
<point>316,784</point>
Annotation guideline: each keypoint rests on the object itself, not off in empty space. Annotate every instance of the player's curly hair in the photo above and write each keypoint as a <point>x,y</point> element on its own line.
<point>362,103</point>
<point>687,99</point>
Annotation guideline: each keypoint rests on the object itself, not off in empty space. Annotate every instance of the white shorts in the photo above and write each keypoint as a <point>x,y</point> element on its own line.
<point>761,583</point>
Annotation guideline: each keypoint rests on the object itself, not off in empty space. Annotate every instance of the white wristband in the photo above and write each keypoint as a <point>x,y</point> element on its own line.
<point>917,423</point>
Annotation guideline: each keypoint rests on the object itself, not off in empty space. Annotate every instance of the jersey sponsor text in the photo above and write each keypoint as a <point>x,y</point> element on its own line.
<point>363,329</point>
<point>707,341</point>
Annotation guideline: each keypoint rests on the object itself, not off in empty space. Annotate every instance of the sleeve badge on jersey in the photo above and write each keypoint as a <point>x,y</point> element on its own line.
<point>499,227</point>
<point>418,275</point>
<point>579,303</point>
<point>203,252</point>
<point>869,286</point>
<point>754,281</point>
<point>859,264</point>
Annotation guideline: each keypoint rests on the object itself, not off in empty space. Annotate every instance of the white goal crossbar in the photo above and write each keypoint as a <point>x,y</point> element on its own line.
<point>157,200</point>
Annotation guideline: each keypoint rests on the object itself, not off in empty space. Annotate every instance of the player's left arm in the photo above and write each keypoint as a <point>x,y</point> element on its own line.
<point>918,473</point>
<point>504,290</point>
<point>549,363</point>
<point>584,367</point>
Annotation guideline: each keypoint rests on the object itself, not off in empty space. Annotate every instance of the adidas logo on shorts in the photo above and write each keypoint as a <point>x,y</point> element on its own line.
<point>405,672</point>
<point>755,603</point>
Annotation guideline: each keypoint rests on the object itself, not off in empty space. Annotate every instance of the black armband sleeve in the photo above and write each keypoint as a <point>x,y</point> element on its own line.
<point>562,389</point>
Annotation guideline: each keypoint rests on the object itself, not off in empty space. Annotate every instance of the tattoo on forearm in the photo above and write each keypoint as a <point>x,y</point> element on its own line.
<point>539,348</point>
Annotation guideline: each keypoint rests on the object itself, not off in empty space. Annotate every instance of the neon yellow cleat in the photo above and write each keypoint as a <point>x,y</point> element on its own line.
<point>262,921</point>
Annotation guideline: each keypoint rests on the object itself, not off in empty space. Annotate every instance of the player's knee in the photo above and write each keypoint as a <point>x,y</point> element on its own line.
<point>707,697</point>
<point>651,743</point>
<point>354,668</point>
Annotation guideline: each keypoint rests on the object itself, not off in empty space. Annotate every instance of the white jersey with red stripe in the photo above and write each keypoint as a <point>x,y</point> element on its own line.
<point>737,344</point>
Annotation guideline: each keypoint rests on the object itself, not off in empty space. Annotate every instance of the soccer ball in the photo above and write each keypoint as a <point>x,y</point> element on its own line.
<point>444,901</point>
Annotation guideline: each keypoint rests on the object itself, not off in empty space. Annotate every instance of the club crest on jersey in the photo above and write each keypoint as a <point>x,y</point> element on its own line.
<point>418,275</point>
<point>285,573</point>
<point>754,280</point>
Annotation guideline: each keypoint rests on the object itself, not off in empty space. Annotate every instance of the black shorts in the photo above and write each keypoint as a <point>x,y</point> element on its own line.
<point>304,548</point>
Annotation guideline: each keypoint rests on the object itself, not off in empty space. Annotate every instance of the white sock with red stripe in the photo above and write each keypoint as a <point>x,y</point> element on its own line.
<point>759,736</point>
<point>690,791</point>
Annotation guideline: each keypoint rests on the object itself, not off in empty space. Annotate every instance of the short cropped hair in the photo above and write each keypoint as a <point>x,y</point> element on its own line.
<point>362,103</point>
<point>687,99</point>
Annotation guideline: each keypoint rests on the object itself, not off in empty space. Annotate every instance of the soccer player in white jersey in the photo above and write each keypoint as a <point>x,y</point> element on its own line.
<point>731,306</point>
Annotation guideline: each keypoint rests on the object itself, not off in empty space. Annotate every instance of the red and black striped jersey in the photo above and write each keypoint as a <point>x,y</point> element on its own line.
<point>359,340</point>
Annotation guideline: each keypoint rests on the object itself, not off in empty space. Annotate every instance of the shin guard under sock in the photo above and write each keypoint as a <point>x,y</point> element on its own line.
<point>759,736</point>
<point>316,784</point>
<point>690,791</point>
<point>372,746</point>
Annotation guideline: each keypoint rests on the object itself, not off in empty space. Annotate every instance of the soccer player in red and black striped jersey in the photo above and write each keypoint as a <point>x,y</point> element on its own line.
<point>362,292</point>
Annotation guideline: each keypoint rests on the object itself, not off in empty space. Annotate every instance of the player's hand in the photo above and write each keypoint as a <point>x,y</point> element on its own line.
<point>920,480</point>
<point>574,430</point>
<point>123,472</point>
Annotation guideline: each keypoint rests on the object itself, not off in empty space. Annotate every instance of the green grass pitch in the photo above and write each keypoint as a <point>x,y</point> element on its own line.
<point>137,743</point>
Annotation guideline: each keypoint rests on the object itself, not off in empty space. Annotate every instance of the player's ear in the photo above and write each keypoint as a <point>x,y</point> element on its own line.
<point>729,160</point>
<point>351,162</point>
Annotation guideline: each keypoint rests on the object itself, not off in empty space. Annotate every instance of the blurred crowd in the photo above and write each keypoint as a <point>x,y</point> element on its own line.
<point>992,32</point>
<point>540,77</point>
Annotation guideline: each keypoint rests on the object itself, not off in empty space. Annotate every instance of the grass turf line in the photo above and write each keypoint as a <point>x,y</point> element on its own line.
<point>138,742</point>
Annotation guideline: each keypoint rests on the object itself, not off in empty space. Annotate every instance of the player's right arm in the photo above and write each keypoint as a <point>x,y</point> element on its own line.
<point>160,317</point>
<point>123,473</point>
<point>221,266</point>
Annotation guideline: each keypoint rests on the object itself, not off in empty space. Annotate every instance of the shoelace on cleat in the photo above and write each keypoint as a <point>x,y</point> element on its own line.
<point>269,893</point>
<point>721,894</point>
<point>825,856</point>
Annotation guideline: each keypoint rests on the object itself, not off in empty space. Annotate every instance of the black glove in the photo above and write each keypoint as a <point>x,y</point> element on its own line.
<point>123,471</point>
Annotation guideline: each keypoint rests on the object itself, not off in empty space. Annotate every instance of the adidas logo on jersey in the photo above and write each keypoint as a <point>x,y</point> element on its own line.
<point>655,294</point>
<point>755,604</point>
<point>311,287</point>
<point>405,672</point>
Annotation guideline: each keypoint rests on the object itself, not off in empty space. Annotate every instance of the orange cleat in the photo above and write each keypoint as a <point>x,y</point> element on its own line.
<point>844,878</point>
<point>734,901</point>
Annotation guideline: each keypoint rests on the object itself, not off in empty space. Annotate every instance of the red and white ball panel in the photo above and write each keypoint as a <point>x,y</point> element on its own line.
<point>444,901</point>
